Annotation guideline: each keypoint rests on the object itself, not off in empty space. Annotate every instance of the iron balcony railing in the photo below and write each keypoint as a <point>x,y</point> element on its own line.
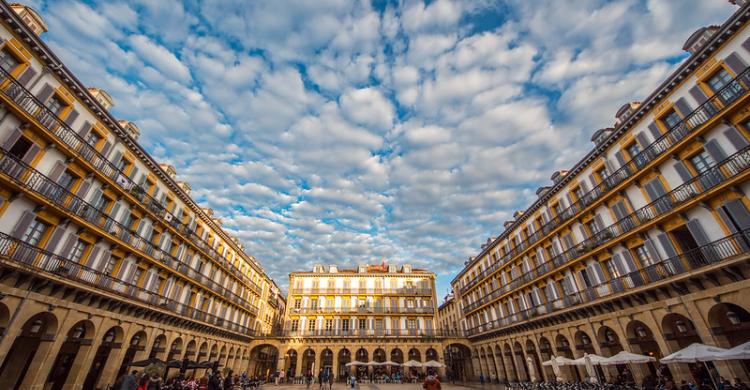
<point>364,291</point>
<point>27,177</point>
<point>364,310</point>
<point>687,261</point>
<point>47,119</point>
<point>715,105</point>
<point>371,333</point>
<point>713,176</point>
<point>48,264</point>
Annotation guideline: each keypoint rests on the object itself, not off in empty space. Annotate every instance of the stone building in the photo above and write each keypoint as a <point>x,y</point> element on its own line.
<point>642,245</point>
<point>105,259</point>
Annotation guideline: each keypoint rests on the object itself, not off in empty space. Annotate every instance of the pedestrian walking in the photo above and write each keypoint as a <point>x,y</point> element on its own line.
<point>431,383</point>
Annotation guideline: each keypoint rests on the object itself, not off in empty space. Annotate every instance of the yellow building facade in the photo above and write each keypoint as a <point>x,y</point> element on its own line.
<point>641,246</point>
<point>105,259</point>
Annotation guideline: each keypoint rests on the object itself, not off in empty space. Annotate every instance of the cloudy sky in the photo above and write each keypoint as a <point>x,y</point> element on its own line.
<point>343,132</point>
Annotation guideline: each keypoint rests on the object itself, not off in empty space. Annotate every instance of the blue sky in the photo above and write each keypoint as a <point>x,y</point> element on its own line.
<point>342,132</point>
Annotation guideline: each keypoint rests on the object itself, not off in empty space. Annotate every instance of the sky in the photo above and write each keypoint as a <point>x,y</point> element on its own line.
<point>345,132</point>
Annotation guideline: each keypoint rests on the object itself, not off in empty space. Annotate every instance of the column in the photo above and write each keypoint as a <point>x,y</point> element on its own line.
<point>639,370</point>
<point>115,357</point>
<point>45,355</point>
<point>335,365</point>
<point>704,331</point>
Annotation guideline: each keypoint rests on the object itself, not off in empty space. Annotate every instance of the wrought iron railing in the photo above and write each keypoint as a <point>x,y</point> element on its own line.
<point>371,333</point>
<point>715,105</point>
<point>714,175</point>
<point>364,310</point>
<point>364,290</point>
<point>28,103</point>
<point>27,177</point>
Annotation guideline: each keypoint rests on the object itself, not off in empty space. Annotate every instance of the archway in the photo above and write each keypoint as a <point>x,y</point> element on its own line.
<point>431,355</point>
<point>562,346</point>
<point>345,356</point>
<point>361,356</point>
<point>230,358</point>
<point>679,332</point>
<point>263,360</point>
<point>415,355</point>
<point>537,364</point>
<point>545,353</point>
<point>202,353</point>
<point>77,341</point>
<point>583,342</point>
<point>223,356</point>
<point>731,325</point>
<point>214,354</point>
<point>191,350</point>
<point>326,361</point>
<point>308,362</point>
<point>158,349</point>
<point>111,339</point>
<point>498,355</point>
<point>510,368</point>
<point>175,349</point>
<point>290,363</point>
<point>137,343</point>
<point>36,336</point>
<point>641,340</point>
<point>520,359</point>
<point>458,362</point>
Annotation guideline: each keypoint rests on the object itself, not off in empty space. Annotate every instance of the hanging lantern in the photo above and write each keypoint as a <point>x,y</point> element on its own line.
<point>36,326</point>
<point>78,332</point>
<point>733,318</point>
<point>641,332</point>
<point>681,327</point>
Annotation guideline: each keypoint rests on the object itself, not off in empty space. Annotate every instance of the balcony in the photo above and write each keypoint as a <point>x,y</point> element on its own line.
<point>717,104</point>
<point>43,263</point>
<point>410,291</point>
<point>371,333</point>
<point>23,176</point>
<point>27,103</point>
<point>693,260</point>
<point>364,310</point>
<point>718,174</point>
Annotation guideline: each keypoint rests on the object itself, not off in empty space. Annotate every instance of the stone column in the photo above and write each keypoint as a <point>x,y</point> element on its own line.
<point>639,370</point>
<point>84,358</point>
<point>116,355</point>
<point>46,354</point>
<point>724,368</point>
<point>335,365</point>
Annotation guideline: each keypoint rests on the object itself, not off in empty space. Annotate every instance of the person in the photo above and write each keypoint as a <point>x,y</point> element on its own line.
<point>330,381</point>
<point>723,384</point>
<point>203,382</point>
<point>282,374</point>
<point>321,378</point>
<point>431,383</point>
<point>129,381</point>
<point>214,381</point>
<point>353,382</point>
<point>228,384</point>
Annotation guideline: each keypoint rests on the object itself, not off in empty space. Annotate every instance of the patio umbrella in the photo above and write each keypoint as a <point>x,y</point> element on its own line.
<point>593,358</point>
<point>625,357</point>
<point>373,364</point>
<point>433,364</point>
<point>146,362</point>
<point>740,352</point>
<point>695,352</point>
<point>390,363</point>
<point>555,367</point>
<point>205,364</point>
<point>174,364</point>
<point>354,363</point>
<point>412,363</point>
<point>560,361</point>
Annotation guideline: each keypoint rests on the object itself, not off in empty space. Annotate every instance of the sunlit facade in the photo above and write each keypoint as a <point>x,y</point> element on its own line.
<point>105,258</point>
<point>642,245</point>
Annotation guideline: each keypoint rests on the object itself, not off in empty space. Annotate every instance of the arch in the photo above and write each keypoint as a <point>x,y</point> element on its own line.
<point>36,334</point>
<point>78,339</point>
<point>159,347</point>
<point>641,340</point>
<point>191,350</point>
<point>498,354</point>
<point>508,359</point>
<point>308,362</point>
<point>230,358</point>
<point>290,362</point>
<point>397,355</point>
<point>583,342</point>
<point>378,355</point>
<point>263,359</point>
<point>608,340</point>
<point>520,359</point>
<point>136,344</point>
<point>223,356</point>
<point>345,356</point>
<point>679,331</point>
<point>202,352</point>
<point>431,355</point>
<point>175,349</point>
<point>362,355</point>
<point>113,336</point>
<point>535,360</point>
<point>213,353</point>
<point>326,361</point>
<point>415,355</point>
<point>730,323</point>
<point>458,361</point>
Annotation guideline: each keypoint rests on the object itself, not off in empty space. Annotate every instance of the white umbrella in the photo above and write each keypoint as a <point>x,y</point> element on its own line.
<point>555,367</point>
<point>433,363</point>
<point>390,363</point>
<point>695,352</point>
<point>412,363</point>
<point>740,352</point>
<point>588,361</point>
<point>625,357</point>
<point>560,361</point>
<point>354,363</point>
<point>373,364</point>
<point>595,359</point>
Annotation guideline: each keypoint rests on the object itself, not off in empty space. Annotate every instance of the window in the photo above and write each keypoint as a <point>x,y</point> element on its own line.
<point>314,303</point>
<point>609,265</point>
<point>634,151</point>
<point>8,61</point>
<point>102,203</point>
<point>92,138</point>
<point>136,276</point>
<point>34,232</point>
<point>592,226</point>
<point>66,180</point>
<point>20,148</point>
<point>77,252</point>
<point>345,324</point>
<point>362,324</point>
<point>55,105</point>
<point>295,325</point>
<point>643,255</point>
<point>311,324</point>
<point>411,324</point>
<point>671,119</point>
<point>721,83</point>
<point>297,303</point>
<point>578,191</point>
<point>110,266</point>
<point>329,325</point>
<point>701,162</point>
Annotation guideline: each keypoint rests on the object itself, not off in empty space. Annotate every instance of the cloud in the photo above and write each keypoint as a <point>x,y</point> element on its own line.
<point>342,132</point>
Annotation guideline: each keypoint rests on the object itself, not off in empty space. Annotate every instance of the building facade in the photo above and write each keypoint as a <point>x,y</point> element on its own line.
<point>642,245</point>
<point>373,313</point>
<point>104,257</point>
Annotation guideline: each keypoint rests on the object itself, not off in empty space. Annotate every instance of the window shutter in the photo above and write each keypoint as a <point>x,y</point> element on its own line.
<point>683,107</point>
<point>642,140</point>
<point>746,45</point>
<point>697,232</point>
<point>652,250</point>
<point>654,129</point>
<point>620,158</point>
<point>84,130</point>
<point>31,153</point>
<point>92,256</point>
<point>45,93</point>
<point>738,141</point>
<point>71,117</point>
<point>106,255</point>
<point>599,222</point>
<point>117,157</point>
<point>97,195</point>
<point>66,249</point>
<point>22,225</point>
<point>27,76</point>
<point>598,272</point>
<point>584,186</point>
<point>54,240</point>
<point>57,170</point>
<point>619,264</point>
<point>569,199</point>
<point>14,135</point>
<point>105,149</point>
<point>714,149</point>
<point>666,244</point>
<point>682,171</point>
<point>739,213</point>
<point>84,188</point>
<point>735,62</point>
<point>583,234</point>
<point>115,210</point>
<point>697,93</point>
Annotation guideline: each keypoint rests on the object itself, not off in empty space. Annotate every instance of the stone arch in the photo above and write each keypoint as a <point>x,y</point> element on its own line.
<point>136,346</point>
<point>191,350</point>
<point>520,359</point>
<point>545,354</point>
<point>112,337</point>
<point>213,353</point>
<point>4,317</point>
<point>175,349</point>
<point>35,338</point>
<point>730,323</point>
<point>230,357</point>
<point>414,354</point>
<point>535,360</point>
<point>202,352</point>
<point>397,355</point>
<point>308,361</point>
<point>344,357</point>
<point>679,331</point>
<point>326,360</point>
<point>431,354</point>
<point>290,362</point>
<point>641,340</point>
<point>159,347</point>
<point>458,361</point>
<point>583,342</point>
<point>378,355</point>
<point>510,367</point>
<point>362,355</point>
<point>76,345</point>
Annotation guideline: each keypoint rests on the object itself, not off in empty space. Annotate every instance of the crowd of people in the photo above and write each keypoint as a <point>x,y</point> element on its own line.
<point>211,380</point>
